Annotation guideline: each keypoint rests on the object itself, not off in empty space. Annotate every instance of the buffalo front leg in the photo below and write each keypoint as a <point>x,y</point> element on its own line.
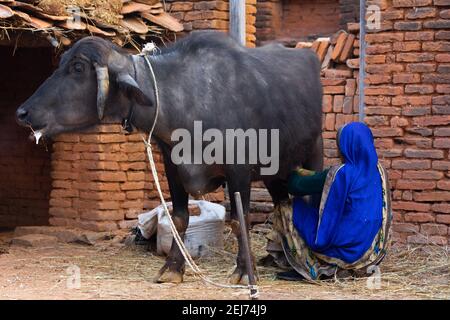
<point>173,269</point>
<point>239,182</point>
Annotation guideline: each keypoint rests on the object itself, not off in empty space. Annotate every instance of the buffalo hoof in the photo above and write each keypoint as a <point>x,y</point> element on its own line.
<point>169,276</point>
<point>240,276</point>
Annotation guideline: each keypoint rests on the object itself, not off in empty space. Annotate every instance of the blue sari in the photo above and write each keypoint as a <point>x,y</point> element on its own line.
<point>351,215</point>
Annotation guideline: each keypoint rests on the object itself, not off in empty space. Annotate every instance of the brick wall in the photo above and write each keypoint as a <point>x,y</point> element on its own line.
<point>211,15</point>
<point>407,98</point>
<point>102,181</point>
<point>290,21</point>
<point>24,167</point>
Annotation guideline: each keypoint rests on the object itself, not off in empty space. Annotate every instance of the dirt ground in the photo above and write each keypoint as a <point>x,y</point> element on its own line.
<point>115,271</point>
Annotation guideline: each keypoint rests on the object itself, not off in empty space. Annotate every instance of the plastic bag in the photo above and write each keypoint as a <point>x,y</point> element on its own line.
<point>204,230</point>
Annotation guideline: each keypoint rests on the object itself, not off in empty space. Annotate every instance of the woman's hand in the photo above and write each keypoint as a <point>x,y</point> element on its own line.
<point>304,172</point>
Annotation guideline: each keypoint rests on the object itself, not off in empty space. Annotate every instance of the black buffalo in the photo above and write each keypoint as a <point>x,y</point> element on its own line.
<point>207,77</point>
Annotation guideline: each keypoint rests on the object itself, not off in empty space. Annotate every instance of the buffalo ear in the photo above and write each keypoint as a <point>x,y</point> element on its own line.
<point>132,90</point>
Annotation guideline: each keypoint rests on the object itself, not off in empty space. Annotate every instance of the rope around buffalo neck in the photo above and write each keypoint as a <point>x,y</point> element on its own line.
<point>179,241</point>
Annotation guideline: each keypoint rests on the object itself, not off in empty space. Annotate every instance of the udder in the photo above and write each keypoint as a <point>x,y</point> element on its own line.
<point>200,179</point>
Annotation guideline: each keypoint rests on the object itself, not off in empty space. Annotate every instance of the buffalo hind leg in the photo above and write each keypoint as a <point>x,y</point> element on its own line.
<point>315,163</point>
<point>173,269</point>
<point>239,181</point>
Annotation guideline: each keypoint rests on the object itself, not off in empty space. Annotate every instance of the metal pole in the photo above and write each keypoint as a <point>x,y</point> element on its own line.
<point>362,57</point>
<point>237,20</point>
<point>246,245</point>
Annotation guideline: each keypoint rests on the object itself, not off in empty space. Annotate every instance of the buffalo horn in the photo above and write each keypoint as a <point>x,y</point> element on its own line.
<point>102,89</point>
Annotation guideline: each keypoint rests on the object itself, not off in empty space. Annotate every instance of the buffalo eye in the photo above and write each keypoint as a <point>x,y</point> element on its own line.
<point>78,67</point>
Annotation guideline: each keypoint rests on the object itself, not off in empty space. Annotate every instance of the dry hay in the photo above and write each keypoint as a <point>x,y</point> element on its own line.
<point>107,11</point>
<point>418,272</point>
<point>111,270</point>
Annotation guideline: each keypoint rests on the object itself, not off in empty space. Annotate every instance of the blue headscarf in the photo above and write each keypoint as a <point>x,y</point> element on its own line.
<point>352,211</point>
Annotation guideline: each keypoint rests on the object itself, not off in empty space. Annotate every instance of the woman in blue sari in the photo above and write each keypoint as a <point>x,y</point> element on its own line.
<point>349,230</point>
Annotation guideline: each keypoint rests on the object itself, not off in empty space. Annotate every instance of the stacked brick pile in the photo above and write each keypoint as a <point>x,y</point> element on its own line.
<point>99,179</point>
<point>292,21</point>
<point>408,98</point>
<point>211,15</point>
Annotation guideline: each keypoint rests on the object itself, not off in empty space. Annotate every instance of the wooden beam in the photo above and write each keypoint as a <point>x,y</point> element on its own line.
<point>237,20</point>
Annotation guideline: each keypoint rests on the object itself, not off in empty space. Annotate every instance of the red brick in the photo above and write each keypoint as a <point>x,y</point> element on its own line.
<point>421,67</point>
<point>420,153</point>
<point>415,185</point>
<point>433,229</point>
<point>384,90</point>
<point>136,176</point>
<point>411,100</point>
<point>411,3</point>
<point>421,35</point>
<point>327,103</point>
<point>384,37</point>
<point>408,25</point>
<point>441,207</point>
<point>375,121</point>
<point>330,119</point>
<point>387,132</point>
<point>384,68</point>
<point>379,48</point>
<point>102,196</point>
<point>420,89</point>
<point>414,57</point>
<point>102,215</point>
<point>441,2</point>
<point>392,15</point>
<point>443,35</point>
<point>350,87</point>
<point>441,165</point>
<point>410,206</point>
<point>445,14</point>
<point>64,193</point>
<point>443,88</point>
<point>61,203</point>
<point>381,110</point>
<point>419,217</point>
<point>442,132</point>
<point>421,13</point>
<point>378,78</point>
<point>338,102</point>
<point>437,24</point>
<point>411,164</point>
<point>432,196</point>
<point>444,184</point>
<point>405,227</point>
<point>442,143</point>
<point>443,218</point>
<point>422,175</point>
<point>132,185</point>
<point>134,195</point>
<point>431,121</point>
<point>334,89</point>
<point>443,57</point>
<point>442,100</point>
<point>421,239</point>
<point>441,109</point>
<point>406,78</point>
<point>63,212</point>
<point>376,59</point>
<point>436,46</point>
